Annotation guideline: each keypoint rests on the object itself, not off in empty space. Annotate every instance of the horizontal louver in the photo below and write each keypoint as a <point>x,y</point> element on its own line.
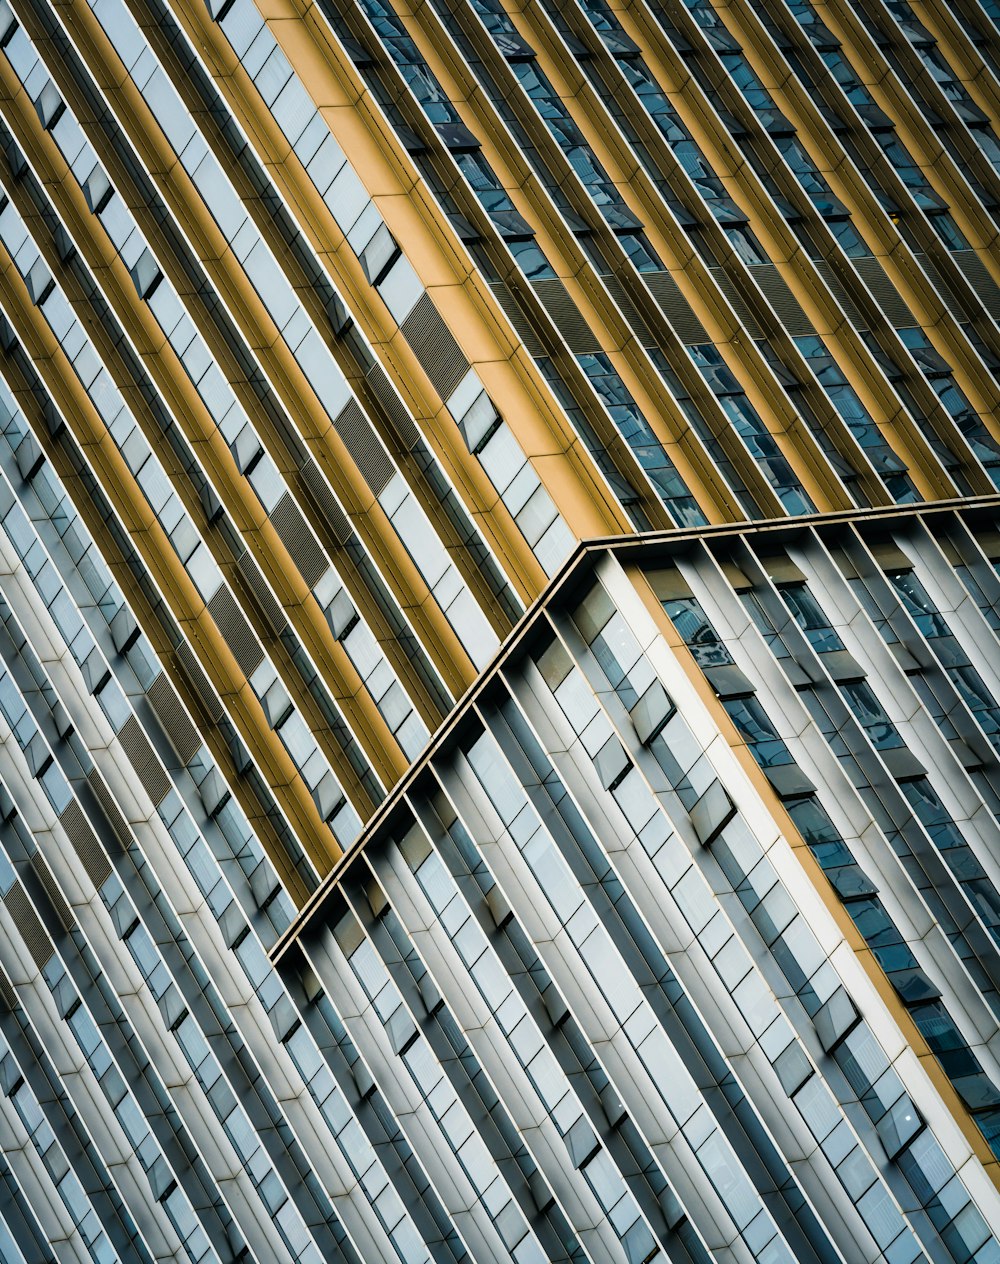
<point>676,308</point>
<point>364,446</point>
<point>140,754</point>
<point>29,925</point>
<point>287,520</point>
<point>51,889</point>
<point>86,844</point>
<point>439,354</point>
<point>236,632</point>
<point>179,731</point>
<point>522,325</point>
<point>566,316</point>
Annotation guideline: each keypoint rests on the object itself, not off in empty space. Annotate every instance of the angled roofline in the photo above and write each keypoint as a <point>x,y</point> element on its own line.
<point>642,548</point>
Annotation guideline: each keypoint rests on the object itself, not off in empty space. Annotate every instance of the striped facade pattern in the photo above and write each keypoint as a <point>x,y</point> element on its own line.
<point>498,737</point>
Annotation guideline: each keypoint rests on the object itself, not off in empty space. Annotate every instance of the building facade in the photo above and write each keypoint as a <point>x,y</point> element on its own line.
<point>499,676</point>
